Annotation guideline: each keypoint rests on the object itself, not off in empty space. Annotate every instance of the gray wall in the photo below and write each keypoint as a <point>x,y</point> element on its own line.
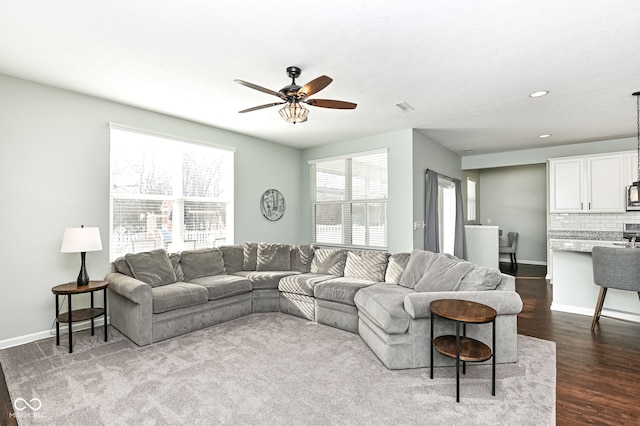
<point>514,198</point>
<point>54,169</point>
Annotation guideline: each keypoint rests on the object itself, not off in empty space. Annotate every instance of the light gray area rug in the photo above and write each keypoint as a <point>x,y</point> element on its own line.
<point>266,369</point>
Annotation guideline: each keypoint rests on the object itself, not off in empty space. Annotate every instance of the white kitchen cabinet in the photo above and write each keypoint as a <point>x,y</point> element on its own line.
<point>588,184</point>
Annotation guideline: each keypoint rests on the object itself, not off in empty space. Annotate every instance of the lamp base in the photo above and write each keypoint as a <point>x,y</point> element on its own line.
<point>83,276</point>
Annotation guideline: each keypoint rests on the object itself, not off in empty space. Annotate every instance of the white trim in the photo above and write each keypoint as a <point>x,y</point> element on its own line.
<point>77,326</point>
<point>171,137</point>
<point>506,259</point>
<point>352,155</point>
<point>627,316</point>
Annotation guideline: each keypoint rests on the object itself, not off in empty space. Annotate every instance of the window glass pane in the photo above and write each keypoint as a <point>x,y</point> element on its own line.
<point>206,172</point>
<point>358,225</point>
<point>140,164</point>
<point>329,223</point>
<point>138,225</point>
<point>471,200</point>
<point>377,224</point>
<point>204,224</point>
<point>369,177</point>
<point>331,180</point>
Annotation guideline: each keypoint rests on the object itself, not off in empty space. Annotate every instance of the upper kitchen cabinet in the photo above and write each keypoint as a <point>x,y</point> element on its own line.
<point>588,184</point>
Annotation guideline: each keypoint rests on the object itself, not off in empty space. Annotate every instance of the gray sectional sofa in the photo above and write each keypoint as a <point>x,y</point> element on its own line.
<point>383,297</point>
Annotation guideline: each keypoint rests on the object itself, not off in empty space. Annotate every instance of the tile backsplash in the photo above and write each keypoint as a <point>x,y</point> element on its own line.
<point>611,222</point>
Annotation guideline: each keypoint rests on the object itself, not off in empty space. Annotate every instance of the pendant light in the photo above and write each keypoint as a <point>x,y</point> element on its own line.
<point>633,193</point>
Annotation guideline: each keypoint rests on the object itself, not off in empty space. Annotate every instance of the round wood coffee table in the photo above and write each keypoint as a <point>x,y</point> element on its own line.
<point>463,348</point>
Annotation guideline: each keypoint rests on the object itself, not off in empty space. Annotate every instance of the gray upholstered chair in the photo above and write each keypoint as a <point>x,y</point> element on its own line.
<point>614,267</point>
<point>512,238</point>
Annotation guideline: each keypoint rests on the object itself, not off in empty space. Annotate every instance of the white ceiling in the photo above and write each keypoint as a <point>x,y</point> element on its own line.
<point>466,66</point>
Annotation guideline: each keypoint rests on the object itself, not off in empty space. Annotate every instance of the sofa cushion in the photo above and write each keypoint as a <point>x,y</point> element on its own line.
<point>419,262</point>
<point>480,278</point>
<point>383,304</point>
<point>201,263</point>
<point>151,267</point>
<point>221,286</point>
<point>341,289</point>
<point>121,265</point>
<point>444,274</point>
<point>395,267</point>
<point>302,283</point>
<point>175,262</point>
<point>261,280</point>
<point>233,257</point>
<point>366,265</point>
<point>177,295</point>
<point>329,261</point>
<point>301,257</point>
<point>273,257</point>
<point>250,259</point>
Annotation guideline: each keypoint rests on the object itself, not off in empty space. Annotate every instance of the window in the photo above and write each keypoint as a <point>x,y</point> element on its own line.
<point>447,214</point>
<point>471,200</point>
<point>349,200</point>
<point>168,193</point>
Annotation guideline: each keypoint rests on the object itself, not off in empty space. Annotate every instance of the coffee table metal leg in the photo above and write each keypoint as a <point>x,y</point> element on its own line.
<point>493,360</point>
<point>57,322</point>
<point>70,324</point>
<point>457,361</point>
<point>105,314</point>
<point>432,317</point>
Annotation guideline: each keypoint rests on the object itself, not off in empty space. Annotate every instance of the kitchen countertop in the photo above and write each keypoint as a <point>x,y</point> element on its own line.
<point>586,246</point>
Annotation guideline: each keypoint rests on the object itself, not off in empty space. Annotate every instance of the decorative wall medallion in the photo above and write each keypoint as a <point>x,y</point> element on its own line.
<point>272,204</point>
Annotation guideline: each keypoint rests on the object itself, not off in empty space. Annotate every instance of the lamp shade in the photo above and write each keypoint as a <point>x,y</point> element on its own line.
<point>78,240</point>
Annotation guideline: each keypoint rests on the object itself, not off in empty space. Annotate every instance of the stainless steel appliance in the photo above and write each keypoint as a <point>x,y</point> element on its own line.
<point>631,231</point>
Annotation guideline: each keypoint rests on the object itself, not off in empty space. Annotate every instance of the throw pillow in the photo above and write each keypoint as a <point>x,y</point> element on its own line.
<point>273,257</point>
<point>201,263</point>
<point>395,268</point>
<point>151,267</point>
<point>301,257</point>
<point>444,274</point>
<point>250,256</point>
<point>175,262</point>
<point>480,278</point>
<point>329,261</point>
<point>419,262</point>
<point>233,258</point>
<point>122,266</point>
<point>366,265</point>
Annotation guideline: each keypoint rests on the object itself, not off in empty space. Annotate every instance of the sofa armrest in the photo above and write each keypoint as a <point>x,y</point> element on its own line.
<point>129,288</point>
<point>504,302</point>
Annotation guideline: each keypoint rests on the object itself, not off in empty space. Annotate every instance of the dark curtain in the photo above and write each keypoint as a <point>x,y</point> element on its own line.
<point>460,244</point>
<point>431,231</point>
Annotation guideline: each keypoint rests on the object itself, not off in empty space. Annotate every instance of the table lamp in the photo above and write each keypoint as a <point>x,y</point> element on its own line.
<point>81,240</point>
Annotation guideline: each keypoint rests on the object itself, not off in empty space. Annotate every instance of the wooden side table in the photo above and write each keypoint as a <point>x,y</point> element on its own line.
<point>72,316</point>
<point>462,347</point>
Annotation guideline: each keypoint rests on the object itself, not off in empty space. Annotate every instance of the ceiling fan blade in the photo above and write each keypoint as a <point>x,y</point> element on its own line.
<point>261,89</point>
<point>330,103</point>
<point>261,106</point>
<point>314,86</point>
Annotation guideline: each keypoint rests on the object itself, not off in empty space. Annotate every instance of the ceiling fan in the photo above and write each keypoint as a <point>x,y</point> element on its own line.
<point>293,97</point>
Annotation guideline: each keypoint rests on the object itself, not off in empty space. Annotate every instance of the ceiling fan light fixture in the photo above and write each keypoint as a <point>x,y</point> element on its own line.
<point>294,112</point>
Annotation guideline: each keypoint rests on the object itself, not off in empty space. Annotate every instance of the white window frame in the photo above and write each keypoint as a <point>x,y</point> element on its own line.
<point>347,204</point>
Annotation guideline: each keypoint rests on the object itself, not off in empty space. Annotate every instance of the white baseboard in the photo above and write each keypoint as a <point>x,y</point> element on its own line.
<point>526,262</point>
<point>627,316</point>
<point>64,329</point>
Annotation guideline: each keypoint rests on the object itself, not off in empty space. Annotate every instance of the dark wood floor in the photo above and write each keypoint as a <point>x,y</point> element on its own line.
<point>598,377</point>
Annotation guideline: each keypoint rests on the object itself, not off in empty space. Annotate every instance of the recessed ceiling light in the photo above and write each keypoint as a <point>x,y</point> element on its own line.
<point>544,136</point>
<point>539,94</point>
<point>404,106</point>
<point>468,151</point>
